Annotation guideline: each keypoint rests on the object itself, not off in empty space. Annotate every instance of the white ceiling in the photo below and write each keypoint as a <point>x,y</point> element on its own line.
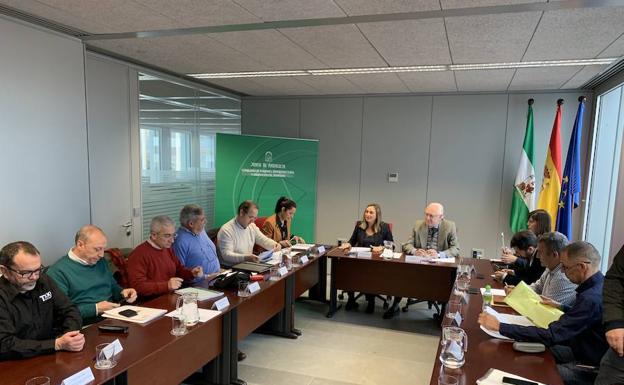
<point>491,36</point>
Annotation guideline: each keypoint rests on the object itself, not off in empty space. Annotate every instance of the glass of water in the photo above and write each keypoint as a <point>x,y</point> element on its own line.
<point>105,356</point>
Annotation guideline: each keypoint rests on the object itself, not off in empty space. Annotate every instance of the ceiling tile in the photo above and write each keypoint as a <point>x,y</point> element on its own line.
<point>195,13</point>
<point>245,86</point>
<point>490,38</point>
<point>182,54</point>
<point>284,86</point>
<point>583,76</point>
<point>379,83</point>
<point>272,10</point>
<point>409,42</point>
<point>575,33</point>
<point>483,80</point>
<point>442,81</point>
<point>271,48</point>
<point>330,84</point>
<point>338,46</point>
<point>374,7</point>
<point>616,49</point>
<point>550,78</point>
<point>448,4</point>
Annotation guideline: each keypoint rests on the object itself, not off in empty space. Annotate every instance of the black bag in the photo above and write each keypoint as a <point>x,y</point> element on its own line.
<point>230,279</point>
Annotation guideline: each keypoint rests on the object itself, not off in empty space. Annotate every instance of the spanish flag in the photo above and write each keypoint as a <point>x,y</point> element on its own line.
<point>551,182</point>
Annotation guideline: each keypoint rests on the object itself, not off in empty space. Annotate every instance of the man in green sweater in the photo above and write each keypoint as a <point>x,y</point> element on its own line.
<point>84,276</point>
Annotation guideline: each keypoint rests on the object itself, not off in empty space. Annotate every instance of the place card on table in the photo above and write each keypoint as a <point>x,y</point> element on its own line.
<point>458,318</point>
<point>304,259</point>
<point>83,377</point>
<point>113,348</point>
<point>221,304</point>
<point>321,249</point>
<point>253,287</point>
<point>282,271</point>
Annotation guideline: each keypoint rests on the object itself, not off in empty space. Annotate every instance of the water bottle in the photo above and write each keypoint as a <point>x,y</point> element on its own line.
<point>487,296</point>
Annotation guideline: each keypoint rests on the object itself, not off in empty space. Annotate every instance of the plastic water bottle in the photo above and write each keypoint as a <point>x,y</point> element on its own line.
<point>487,296</point>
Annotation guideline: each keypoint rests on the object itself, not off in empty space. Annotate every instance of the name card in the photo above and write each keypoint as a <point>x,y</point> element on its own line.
<point>458,318</point>
<point>253,287</point>
<point>113,348</point>
<point>83,377</point>
<point>222,303</point>
<point>304,259</point>
<point>282,271</point>
<point>321,249</point>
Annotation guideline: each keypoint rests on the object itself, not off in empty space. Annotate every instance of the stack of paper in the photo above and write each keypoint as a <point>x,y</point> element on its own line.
<point>202,294</point>
<point>303,246</point>
<point>145,314</point>
<point>507,319</point>
<point>495,377</point>
<point>528,303</point>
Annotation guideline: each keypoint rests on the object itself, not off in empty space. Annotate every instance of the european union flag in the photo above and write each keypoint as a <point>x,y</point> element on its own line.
<point>571,181</point>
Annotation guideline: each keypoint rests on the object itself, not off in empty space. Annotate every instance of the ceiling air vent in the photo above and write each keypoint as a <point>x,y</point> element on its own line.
<point>24,16</point>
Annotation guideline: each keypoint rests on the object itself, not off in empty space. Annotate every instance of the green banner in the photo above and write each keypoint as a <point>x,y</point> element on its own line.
<point>262,169</point>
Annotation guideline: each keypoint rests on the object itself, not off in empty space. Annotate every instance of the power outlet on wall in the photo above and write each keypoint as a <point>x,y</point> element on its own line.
<point>477,253</point>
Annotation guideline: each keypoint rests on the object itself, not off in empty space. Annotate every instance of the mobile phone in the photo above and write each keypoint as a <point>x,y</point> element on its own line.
<point>128,313</point>
<point>515,381</point>
<point>113,329</point>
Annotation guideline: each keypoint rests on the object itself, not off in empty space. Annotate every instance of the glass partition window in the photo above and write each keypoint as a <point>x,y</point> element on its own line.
<point>178,124</point>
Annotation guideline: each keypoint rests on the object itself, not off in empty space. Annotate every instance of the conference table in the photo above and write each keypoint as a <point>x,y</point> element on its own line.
<point>151,355</point>
<point>426,281</point>
<point>485,352</point>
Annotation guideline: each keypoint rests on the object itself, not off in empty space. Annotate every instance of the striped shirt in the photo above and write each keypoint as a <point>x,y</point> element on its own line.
<point>555,285</point>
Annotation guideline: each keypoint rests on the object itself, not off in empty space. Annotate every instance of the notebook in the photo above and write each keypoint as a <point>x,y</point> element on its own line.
<point>252,267</point>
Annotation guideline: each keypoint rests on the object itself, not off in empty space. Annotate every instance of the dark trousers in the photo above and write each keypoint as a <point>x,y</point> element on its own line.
<point>569,370</point>
<point>611,369</point>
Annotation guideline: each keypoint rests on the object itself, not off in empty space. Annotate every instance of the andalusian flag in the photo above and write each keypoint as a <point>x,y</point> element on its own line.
<point>571,186</point>
<point>551,183</point>
<point>523,200</point>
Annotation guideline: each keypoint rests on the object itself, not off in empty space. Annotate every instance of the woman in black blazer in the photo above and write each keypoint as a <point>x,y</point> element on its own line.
<point>371,232</point>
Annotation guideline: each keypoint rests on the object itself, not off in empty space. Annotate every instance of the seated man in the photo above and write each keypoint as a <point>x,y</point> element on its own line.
<point>524,244</point>
<point>578,336</point>
<point>35,316</point>
<point>85,278</point>
<point>153,268</point>
<point>434,236</point>
<point>553,283</point>
<point>192,244</point>
<point>238,236</point>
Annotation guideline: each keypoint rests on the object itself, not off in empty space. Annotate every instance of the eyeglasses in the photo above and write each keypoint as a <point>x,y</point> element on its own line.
<point>27,273</point>
<point>564,267</point>
<point>169,236</point>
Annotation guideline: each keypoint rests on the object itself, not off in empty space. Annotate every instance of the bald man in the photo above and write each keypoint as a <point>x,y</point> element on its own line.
<point>84,276</point>
<point>432,237</point>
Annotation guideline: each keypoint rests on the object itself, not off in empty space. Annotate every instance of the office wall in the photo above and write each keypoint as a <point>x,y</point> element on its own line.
<point>462,150</point>
<point>43,138</point>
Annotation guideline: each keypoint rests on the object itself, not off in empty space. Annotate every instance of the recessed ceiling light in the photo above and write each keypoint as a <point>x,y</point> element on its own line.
<point>423,68</point>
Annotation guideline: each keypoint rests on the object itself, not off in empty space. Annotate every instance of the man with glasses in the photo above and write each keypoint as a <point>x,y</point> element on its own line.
<point>36,317</point>
<point>192,244</point>
<point>577,339</point>
<point>153,268</point>
<point>434,236</point>
<point>84,276</point>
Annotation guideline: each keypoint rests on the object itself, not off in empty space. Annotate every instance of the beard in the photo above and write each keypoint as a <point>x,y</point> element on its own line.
<point>28,286</point>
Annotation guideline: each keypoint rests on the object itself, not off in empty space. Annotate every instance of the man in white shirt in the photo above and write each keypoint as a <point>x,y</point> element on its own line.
<point>238,236</point>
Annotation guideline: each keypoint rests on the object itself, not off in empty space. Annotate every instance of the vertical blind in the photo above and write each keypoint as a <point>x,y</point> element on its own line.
<point>178,124</point>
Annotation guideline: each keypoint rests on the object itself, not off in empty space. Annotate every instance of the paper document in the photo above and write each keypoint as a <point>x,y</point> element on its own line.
<point>303,246</point>
<point>528,303</point>
<point>266,255</point>
<point>145,314</point>
<point>443,260</point>
<point>397,255</point>
<point>359,249</point>
<point>202,294</point>
<point>495,377</point>
<point>387,253</point>
<point>507,319</point>
<point>496,292</point>
<point>365,254</point>
<point>204,314</point>
<point>415,259</point>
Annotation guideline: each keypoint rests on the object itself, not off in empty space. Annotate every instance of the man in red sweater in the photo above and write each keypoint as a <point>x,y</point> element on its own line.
<point>153,268</point>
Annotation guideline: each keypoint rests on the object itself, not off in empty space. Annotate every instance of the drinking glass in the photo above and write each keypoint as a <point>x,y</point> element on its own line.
<point>243,288</point>
<point>105,356</point>
<point>447,379</point>
<point>178,324</point>
<point>41,380</point>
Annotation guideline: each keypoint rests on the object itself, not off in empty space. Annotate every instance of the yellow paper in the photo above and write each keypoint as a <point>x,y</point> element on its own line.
<point>527,302</point>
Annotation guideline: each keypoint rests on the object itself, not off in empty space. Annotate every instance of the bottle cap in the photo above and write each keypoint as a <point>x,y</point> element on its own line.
<point>488,287</point>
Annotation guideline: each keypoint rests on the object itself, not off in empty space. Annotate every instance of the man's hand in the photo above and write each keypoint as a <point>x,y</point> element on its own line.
<point>550,302</point>
<point>501,274</point>
<point>488,321</point>
<point>103,306</point>
<point>277,246</point>
<point>129,294</point>
<point>197,271</point>
<point>298,239</point>
<point>285,243</point>
<point>377,249</point>
<point>72,341</point>
<point>431,253</point>
<point>509,258</point>
<point>419,252</point>
<point>615,338</point>
<point>174,283</point>
<point>508,289</point>
<point>252,258</point>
